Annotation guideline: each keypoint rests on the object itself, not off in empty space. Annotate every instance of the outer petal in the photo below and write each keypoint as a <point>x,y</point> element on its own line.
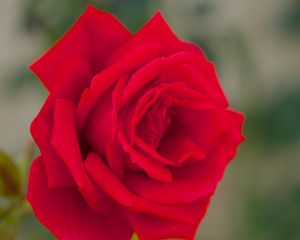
<point>199,75</point>
<point>156,30</point>
<point>93,38</point>
<point>41,130</point>
<point>195,49</point>
<point>72,78</point>
<point>65,213</point>
<point>76,71</point>
<point>234,138</point>
<point>204,128</point>
<point>105,179</point>
<point>65,142</point>
<point>149,227</point>
<point>189,183</point>
<point>236,121</point>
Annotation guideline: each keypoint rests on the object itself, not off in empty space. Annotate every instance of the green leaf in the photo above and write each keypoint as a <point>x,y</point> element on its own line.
<point>10,179</point>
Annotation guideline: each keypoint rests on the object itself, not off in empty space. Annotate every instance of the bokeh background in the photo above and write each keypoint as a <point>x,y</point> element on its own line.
<point>256,47</point>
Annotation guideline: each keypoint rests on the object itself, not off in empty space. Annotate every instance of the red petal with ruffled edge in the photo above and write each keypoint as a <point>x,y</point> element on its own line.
<point>74,70</point>
<point>93,38</point>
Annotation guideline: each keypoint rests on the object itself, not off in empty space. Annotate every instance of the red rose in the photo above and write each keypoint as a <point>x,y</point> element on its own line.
<point>134,135</point>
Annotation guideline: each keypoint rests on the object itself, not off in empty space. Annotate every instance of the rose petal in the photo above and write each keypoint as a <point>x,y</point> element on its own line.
<point>58,174</point>
<point>115,158</point>
<point>178,91</point>
<point>199,75</point>
<point>65,213</point>
<point>73,77</point>
<point>178,149</point>
<point>190,182</point>
<point>65,140</point>
<point>98,127</point>
<point>114,153</point>
<point>93,38</point>
<point>194,48</point>
<point>149,227</point>
<point>234,137</point>
<point>101,82</point>
<point>113,186</point>
<point>152,70</point>
<point>205,128</point>
<point>155,30</point>
<point>74,70</point>
<point>153,169</point>
<point>107,181</point>
<point>236,121</point>
<point>66,145</point>
<point>152,153</point>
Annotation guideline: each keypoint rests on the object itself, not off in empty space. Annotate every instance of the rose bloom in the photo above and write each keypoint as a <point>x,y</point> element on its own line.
<point>134,136</point>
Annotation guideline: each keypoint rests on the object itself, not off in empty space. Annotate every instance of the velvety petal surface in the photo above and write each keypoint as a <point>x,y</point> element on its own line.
<point>189,183</point>
<point>68,150</point>
<point>104,178</point>
<point>149,227</point>
<point>73,71</point>
<point>93,37</point>
<point>105,79</point>
<point>66,214</point>
<point>57,173</point>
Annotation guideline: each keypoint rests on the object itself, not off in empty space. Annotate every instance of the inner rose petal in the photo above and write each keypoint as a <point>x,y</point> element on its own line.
<point>181,94</point>
<point>198,77</point>
<point>204,128</point>
<point>190,182</point>
<point>179,149</point>
<point>101,82</point>
<point>154,123</point>
<point>151,168</point>
<point>98,128</point>
<point>120,193</point>
<point>151,117</point>
<point>152,70</point>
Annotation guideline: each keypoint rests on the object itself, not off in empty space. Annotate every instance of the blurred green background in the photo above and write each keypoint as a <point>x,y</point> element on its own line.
<point>256,47</point>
